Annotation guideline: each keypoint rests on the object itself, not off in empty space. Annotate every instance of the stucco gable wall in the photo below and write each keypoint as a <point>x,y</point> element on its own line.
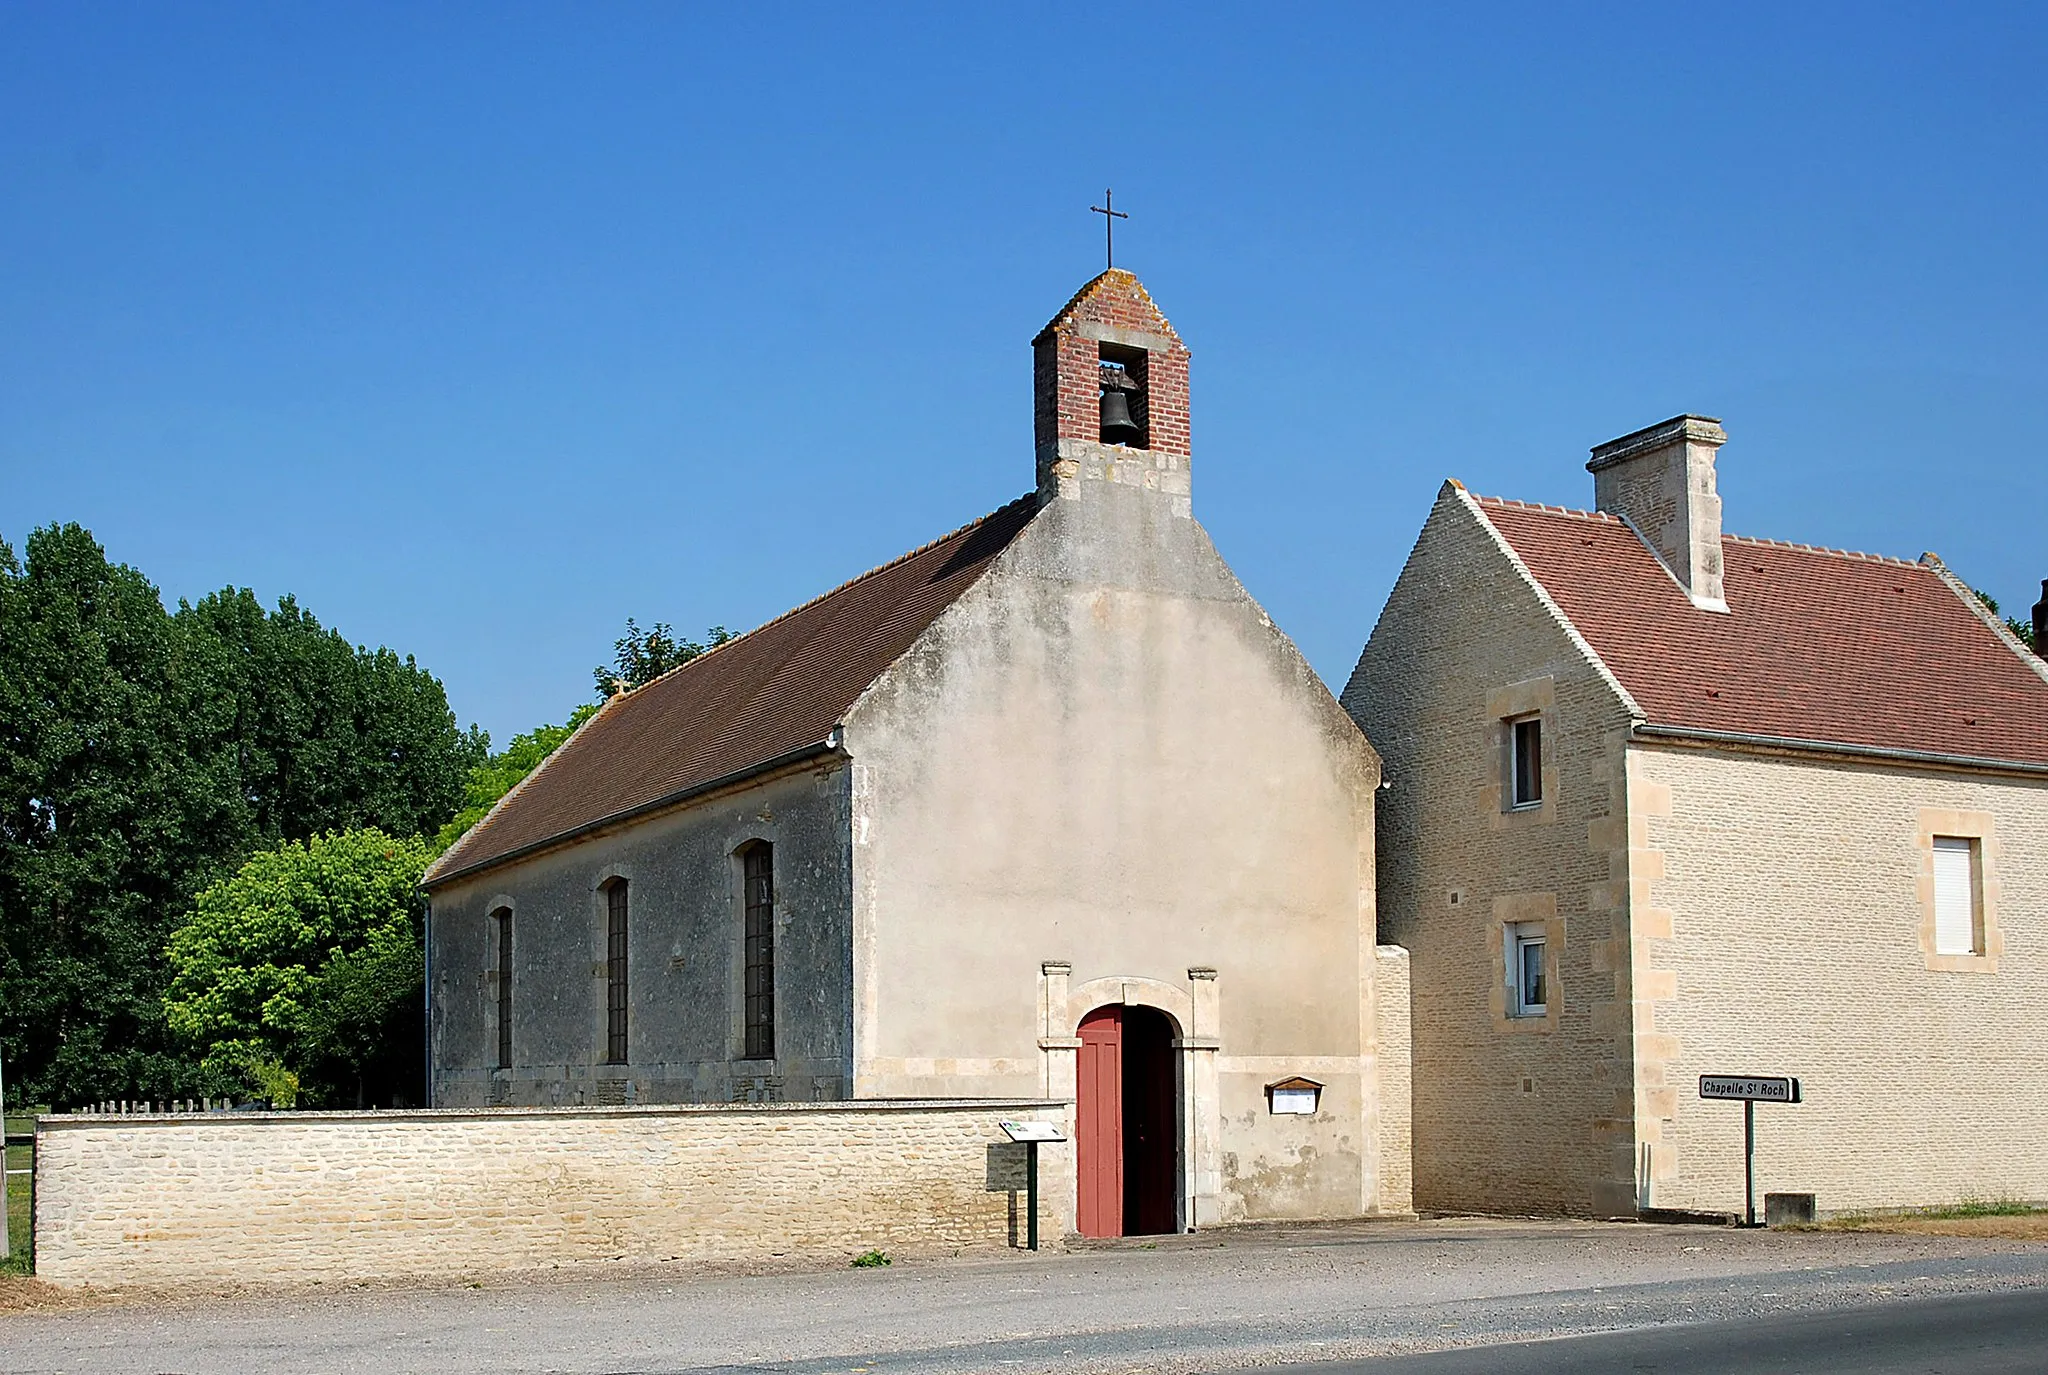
<point>1793,894</point>
<point>1105,754</point>
<point>684,958</point>
<point>1510,1114</point>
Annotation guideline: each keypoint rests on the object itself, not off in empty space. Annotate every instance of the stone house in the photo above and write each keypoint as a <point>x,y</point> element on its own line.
<point>1048,808</point>
<point>1665,802</point>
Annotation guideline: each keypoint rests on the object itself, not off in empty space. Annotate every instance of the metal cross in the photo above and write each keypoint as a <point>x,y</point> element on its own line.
<point>1109,219</point>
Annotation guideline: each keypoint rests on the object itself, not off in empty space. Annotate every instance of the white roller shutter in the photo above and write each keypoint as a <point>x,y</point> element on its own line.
<point>1955,897</point>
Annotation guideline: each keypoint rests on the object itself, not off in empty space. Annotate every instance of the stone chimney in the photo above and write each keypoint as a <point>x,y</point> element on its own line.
<point>1111,340</point>
<point>1661,481</point>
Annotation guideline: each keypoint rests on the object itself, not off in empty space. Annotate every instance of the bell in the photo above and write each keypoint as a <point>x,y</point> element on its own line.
<point>1117,425</point>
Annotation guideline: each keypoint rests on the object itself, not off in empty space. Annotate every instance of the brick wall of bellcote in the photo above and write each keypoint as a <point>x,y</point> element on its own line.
<point>1114,310</point>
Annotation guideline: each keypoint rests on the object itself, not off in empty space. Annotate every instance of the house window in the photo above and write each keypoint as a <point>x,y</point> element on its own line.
<point>504,925</point>
<point>759,868</point>
<point>1958,904</point>
<point>1528,981</point>
<point>615,973</point>
<point>1525,761</point>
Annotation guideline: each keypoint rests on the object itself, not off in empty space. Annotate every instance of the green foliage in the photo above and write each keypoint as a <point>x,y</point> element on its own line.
<point>2023,631</point>
<point>644,655</point>
<point>869,1260</point>
<point>274,1084</point>
<point>1986,1207</point>
<point>317,734</point>
<point>500,773</point>
<point>143,756</point>
<point>106,826</point>
<point>303,970</point>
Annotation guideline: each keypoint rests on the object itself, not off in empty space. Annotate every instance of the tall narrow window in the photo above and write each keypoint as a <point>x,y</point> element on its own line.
<point>1528,982</point>
<point>615,973</point>
<point>504,934</point>
<point>760,893</point>
<point>1525,762</point>
<point>1958,915</point>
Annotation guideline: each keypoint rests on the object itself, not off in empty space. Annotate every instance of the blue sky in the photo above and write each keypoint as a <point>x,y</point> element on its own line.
<point>481,328</point>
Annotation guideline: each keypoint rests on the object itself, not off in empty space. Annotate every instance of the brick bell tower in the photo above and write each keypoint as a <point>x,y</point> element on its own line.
<point>1111,389</point>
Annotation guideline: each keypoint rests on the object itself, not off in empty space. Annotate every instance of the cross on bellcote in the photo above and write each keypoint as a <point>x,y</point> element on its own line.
<point>1109,219</point>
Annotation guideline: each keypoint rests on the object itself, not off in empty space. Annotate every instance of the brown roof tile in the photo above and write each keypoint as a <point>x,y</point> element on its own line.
<point>773,692</point>
<point>1818,644</point>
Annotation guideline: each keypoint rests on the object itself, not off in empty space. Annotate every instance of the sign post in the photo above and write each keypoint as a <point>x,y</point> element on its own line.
<point>1749,1090</point>
<point>1031,1134</point>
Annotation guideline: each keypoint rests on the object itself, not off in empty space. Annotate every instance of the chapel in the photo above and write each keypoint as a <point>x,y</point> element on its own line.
<point>1047,808</point>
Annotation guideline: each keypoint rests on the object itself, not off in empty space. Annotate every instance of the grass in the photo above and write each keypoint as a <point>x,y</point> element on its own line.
<point>1986,1207</point>
<point>868,1260</point>
<point>2006,1218</point>
<point>1947,1212</point>
<point>17,1261</point>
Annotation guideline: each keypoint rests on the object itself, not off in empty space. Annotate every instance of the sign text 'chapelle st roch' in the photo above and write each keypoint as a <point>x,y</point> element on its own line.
<point>1750,1088</point>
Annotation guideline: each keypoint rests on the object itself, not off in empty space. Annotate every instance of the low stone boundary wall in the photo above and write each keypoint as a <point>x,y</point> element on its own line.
<point>287,1195</point>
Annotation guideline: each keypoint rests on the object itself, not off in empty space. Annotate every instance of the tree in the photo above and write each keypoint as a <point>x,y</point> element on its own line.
<point>104,826</point>
<point>500,773</point>
<point>644,655</point>
<point>2023,631</point>
<point>308,958</point>
<point>143,757</point>
<point>315,734</point>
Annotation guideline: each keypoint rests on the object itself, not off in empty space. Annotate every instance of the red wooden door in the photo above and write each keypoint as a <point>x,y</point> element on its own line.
<point>1101,1126</point>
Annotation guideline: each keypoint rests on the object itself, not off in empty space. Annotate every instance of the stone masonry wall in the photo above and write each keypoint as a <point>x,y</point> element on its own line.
<point>1511,1114</point>
<point>686,962</point>
<point>262,1196</point>
<point>1792,901</point>
<point>1395,1060</point>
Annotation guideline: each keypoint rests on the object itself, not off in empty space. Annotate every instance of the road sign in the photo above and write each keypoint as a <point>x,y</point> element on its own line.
<point>1032,1131</point>
<point>1750,1088</point>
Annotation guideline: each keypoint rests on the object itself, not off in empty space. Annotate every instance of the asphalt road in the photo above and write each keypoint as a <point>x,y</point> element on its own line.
<point>1966,1334</point>
<point>1210,1302</point>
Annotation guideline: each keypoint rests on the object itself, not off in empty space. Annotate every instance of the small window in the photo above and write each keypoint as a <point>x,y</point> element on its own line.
<point>615,973</point>
<point>1528,979</point>
<point>1525,762</point>
<point>504,924</point>
<point>759,868</point>
<point>1958,904</point>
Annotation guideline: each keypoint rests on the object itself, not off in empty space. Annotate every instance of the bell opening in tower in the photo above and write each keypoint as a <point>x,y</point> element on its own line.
<point>1124,395</point>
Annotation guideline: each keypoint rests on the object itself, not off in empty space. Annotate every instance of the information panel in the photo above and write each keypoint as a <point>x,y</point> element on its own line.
<point>1032,1131</point>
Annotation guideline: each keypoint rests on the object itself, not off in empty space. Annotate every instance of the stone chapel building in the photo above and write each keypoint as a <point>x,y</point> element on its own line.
<point>1046,808</point>
<point>1665,802</point>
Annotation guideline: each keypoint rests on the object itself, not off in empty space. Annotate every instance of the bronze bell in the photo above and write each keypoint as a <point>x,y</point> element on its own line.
<point>1118,427</point>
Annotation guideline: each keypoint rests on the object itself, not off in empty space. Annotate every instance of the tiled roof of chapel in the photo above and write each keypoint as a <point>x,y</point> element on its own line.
<point>1816,645</point>
<point>772,694</point>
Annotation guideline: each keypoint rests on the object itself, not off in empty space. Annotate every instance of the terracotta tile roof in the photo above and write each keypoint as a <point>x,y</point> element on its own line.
<point>1818,644</point>
<point>770,693</point>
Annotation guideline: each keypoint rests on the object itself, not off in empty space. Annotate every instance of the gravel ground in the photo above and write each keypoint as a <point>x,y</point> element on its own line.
<point>1213,1301</point>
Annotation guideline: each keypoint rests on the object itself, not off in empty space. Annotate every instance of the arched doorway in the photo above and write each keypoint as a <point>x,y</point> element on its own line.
<point>1129,1148</point>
